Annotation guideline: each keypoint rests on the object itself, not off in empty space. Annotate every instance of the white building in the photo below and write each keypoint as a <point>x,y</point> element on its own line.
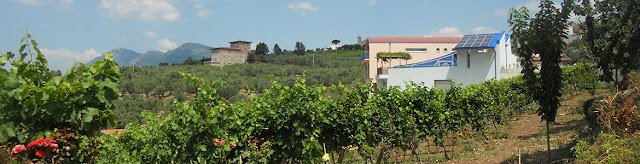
<point>475,58</point>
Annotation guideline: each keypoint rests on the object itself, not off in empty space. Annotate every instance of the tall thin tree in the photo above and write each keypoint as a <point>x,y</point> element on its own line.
<point>543,35</point>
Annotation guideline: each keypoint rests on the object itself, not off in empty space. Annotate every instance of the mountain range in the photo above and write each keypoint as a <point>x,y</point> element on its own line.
<point>127,57</point>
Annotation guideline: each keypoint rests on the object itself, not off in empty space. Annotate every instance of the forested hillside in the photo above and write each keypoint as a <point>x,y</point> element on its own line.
<point>151,88</point>
<point>127,57</point>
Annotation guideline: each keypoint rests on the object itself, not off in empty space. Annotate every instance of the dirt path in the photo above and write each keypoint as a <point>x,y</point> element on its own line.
<point>527,135</point>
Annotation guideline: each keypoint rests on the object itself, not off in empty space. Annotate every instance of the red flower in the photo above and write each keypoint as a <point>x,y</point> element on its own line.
<point>255,140</point>
<point>460,134</point>
<point>42,142</point>
<point>232,145</point>
<point>18,150</point>
<point>219,142</point>
<point>40,153</point>
<point>465,132</point>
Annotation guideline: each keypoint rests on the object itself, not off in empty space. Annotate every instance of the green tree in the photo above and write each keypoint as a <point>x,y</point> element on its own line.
<point>262,49</point>
<point>613,35</point>
<point>300,49</point>
<point>519,20</point>
<point>574,51</point>
<point>544,36</point>
<point>277,50</point>
<point>335,42</point>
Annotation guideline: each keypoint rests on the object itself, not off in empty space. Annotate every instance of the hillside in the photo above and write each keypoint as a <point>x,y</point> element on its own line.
<point>122,56</point>
<point>127,57</point>
<point>188,50</point>
<point>150,58</point>
<point>150,88</point>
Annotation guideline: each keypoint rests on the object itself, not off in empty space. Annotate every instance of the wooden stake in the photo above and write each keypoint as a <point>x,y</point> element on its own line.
<point>519,157</point>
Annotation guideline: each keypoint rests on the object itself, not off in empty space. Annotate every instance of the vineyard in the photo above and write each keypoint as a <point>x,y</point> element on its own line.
<point>301,122</point>
<point>59,118</point>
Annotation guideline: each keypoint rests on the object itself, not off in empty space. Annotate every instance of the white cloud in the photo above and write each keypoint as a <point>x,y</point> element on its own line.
<point>203,13</point>
<point>85,56</point>
<point>63,59</point>
<point>484,30</point>
<point>372,2</point>
<point>91,53</point>
<point>447,31</point>
<point>303,7</point>
<point>147,10</point>
<point>124,40</point>
<point>167,45</point>
<point>150,34</point>
<point>532,6</point>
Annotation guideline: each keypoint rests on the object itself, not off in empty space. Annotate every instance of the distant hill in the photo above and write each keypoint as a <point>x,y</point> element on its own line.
<point>127,57</point>
<point>150,58</point>
<point>194,50</point>
<point>121,56</point>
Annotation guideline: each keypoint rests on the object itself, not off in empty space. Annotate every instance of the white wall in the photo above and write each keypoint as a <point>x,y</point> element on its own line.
<point>431,53</point>
<point>482,67</point>
<point>507,58</point>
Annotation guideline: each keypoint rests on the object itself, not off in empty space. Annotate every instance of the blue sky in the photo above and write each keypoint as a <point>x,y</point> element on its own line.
<point>74,30</point>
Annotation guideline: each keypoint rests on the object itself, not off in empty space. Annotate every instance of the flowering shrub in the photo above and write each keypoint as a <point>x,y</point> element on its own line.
<point>18,150</point>
<point>44,142</point>
<point>219,142</point>
<point>44,149</point>
<point>34,104</point>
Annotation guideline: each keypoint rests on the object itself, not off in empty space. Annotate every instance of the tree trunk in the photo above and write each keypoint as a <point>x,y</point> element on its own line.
<point>341,155</point>
<point>380,155</point>
<point>548,144</point>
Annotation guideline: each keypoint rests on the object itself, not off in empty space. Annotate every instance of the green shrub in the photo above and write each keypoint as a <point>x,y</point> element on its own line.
<point>608,148</point>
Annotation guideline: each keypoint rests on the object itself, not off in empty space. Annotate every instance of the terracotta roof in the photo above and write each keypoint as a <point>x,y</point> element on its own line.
<point>228,48</point>
<point>415,39</point>
<point>536,57</point>
<point>240,41</point>
<point>110,131</point>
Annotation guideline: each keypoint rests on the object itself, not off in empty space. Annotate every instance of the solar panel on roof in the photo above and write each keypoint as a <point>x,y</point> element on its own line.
<point>478,40</point>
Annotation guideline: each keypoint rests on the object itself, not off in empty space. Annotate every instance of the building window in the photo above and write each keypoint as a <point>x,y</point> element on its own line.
<point>437,50</point>
<point>235,44</point>
<point>416,49</point>
<point>246,44</point>
<point>445,50</point>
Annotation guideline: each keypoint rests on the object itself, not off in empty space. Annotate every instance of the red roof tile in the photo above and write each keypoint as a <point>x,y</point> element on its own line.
<point>110,131</point>
<point>228,48</point>
<point>240,41</point>
<point>415,39</point>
